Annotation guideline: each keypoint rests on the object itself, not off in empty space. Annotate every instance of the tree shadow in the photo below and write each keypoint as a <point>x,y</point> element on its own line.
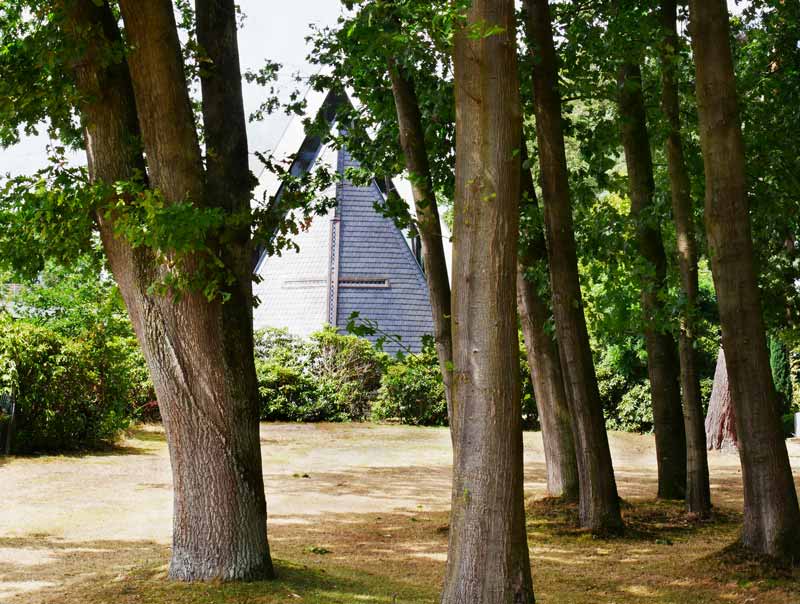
<point>645,520</point>
<point>56,571</point>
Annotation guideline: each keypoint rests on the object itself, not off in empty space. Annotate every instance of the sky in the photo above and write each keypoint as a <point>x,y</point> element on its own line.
<point>272,30</point>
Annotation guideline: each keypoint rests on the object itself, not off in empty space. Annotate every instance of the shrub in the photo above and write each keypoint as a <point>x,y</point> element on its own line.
<point>349,371</point>
<point>412,391</point>
<point>530,412</point>
<point>781,374</point>
<point>634,412</point>
<point>71,394</point>
<point>332,377</point>
<point>287,394</point>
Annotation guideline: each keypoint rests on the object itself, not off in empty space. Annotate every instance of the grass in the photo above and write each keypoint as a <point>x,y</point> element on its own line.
<point>368,524</point>
<point>398,559</point>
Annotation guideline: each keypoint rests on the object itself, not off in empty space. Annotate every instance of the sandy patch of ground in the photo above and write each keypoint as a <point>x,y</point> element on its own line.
<point>364,491</point>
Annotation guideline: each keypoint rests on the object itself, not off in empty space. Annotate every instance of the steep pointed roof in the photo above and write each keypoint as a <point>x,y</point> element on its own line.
<point>353,259</point>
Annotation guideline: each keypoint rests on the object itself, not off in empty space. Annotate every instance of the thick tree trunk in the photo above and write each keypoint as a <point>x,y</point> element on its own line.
<point>771,513</point>
<point>662,358</point>
<point>698,494</point>
<point>412,140</point>
<point>599,503</point>
<point>203,382</point>
<point>546,376</point>
<point>488,560</point>
<point>548,387</point>
<point>720,424</point>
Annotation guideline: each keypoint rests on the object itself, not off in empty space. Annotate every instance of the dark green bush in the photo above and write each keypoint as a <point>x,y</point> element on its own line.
<point>412,391</point>
<point>332,377</point>
<point>349,371</point>
<point>634,412</point>
<point>530,413</point>
<point>335,377</point>
<point>71,394</point>
<point>289,395</point>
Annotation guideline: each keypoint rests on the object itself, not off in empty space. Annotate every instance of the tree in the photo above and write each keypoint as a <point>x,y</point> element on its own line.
<point>542,351</point>
<point>402,38</point>
<point>599,502</point>
<point>720,424</point>
<point>488,559</point>
<point>412,140</point>
<point>177,238</point>
<point>771,513</point>
<point>386,52</point>
<point>698,494</point>
<point>661,349</point>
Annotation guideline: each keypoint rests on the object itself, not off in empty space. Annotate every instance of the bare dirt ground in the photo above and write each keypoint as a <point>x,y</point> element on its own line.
<point>357,512</point>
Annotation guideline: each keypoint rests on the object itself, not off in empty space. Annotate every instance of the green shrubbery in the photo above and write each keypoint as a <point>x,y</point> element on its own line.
<point>331,377</point>
<point>68,352</point>
<point>335,377</point>
<point>412,391</point>
<point>69,395</point>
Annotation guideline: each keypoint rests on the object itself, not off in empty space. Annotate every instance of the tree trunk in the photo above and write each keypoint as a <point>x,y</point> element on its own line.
<point>599,503</point>
<point>771,513</point>
<point>546,376</point>
<point>662,358</point>
<point>698,494</point>
<point>488,559</point>
<point>412,141</point>
<point>720,424</point>
<point>205,384</point>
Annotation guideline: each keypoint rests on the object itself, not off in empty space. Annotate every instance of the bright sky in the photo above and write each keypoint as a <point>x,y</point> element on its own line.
<point>270,32</point>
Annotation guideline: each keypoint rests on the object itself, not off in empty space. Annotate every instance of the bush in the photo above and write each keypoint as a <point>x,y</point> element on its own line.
<point>634,412</point>
<point>332,377</point>
<point>349,371</point>
<point>335,377</point>
<point>71,394</point>
<point>289,395</point>
<point>530,412</point>
<point>412,391</point>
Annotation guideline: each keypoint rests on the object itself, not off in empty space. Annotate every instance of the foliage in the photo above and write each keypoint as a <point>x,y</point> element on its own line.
<point>781,374</point>
<point>357,54</point>
<point>412,391</point>
<point>530,412</point>
<point>634,412</point>
<point>348,370</point>
<point>335,377</point>
<point>79,375</point>
<point>331,377</point>
<point>70,394</point>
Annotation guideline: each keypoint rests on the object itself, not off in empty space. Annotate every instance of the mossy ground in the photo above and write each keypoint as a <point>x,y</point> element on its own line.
<point>392,553</point>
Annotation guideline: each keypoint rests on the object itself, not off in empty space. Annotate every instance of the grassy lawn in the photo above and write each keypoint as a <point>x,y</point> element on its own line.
<point>360,516</point>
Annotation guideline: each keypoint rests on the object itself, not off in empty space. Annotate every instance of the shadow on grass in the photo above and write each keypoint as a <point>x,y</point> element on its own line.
<point>294,583</point>
<point>144,434</point>
<point>389,558</point>
<point>736,564</point>
<point>647,520</point>
<point>128,572</point>
<point>100,450</point>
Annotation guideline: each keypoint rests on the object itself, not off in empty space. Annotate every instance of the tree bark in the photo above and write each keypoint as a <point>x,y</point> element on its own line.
<point>771,513</point>
<point>698,494</point>
<point>488,559</point>
<point>599,502</point>
<point>662,358</point>
<point>412,141</point>
<point>546,376</point>
<point>202,382</point>
<point>720,424</point>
